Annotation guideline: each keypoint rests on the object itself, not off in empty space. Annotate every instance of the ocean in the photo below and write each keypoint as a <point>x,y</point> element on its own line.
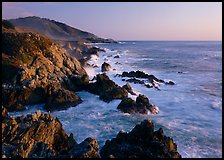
<point>190,110</point>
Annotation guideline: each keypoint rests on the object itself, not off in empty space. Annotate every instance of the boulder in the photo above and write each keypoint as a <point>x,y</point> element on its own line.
<point>62,99</point>
<point>128,88</point>
<point>141,142</point>
<point>128,105</point>
<point>106,67</point>
<point>117,56</point>
<point>107,89</point>
<point>142,100</point>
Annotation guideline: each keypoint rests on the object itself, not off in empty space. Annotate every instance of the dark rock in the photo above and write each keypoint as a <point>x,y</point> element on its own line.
<point>107,89</point>
<point>118,63</point>
<point>86,149</point>
<point>135,81</point>
<point>117,56</point>
<point>128,88</point>
<point>105,67</point>
<point>141,74</point>
<point>62,99</point>
<point>170,83</point>
<point>142,100</point>
<point>128,105</point>
<point>141,142</point>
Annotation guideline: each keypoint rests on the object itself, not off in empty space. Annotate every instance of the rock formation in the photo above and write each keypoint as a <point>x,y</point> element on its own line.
<point>41,136</point>
<point>107,89</point>
<point>106,67</point>
<point>37,70</point>
<point>141,142</point>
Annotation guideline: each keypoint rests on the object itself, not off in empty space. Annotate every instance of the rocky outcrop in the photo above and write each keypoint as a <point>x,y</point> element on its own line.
<point>141,105</point>
<point>141,142</point>
<point>32,65</point>
<point>107,89</point>
<point>41,136</point>
<point>128,88</point>
<point>130,106</point>
<point>62,99</point>
<point>145,78</point>
<point>106,67</point>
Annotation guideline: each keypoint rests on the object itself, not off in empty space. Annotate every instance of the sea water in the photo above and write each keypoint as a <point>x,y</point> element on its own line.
<point>190,110</point>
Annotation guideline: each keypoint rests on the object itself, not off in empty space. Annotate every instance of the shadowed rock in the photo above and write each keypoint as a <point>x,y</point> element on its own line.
<point>106,67</point>
<point>107,89</point>
<point>141,142</point>
<point>128,88</point>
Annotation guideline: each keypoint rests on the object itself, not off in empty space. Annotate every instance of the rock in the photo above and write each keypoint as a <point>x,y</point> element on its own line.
<point>141,142</point>
<point>44,137</point>
<point>130,106</point>
<point>86,149</point>
<point>107,89</point>
<point>31,63</point>
<point>4,111</point>
<point>117,56</point>
<point>170,83</point>
<point>135,81</point>
<point>142,100</point>
<point>128,88</point>
<point>105,67</point>
<point>62,99</point>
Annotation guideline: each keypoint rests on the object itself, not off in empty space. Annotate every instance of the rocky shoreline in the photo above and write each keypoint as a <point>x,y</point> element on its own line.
<point>37,70</point>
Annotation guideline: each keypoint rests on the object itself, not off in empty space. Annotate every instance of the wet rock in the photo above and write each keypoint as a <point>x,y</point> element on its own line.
<point>62,99</point>
<point>142,100</point>
<point>107,89</point>
<point>135,81</point>
<point>141,142</point>
<point>170,83</point>
<point>128,88</point>
<point>106,67</point>
<point>141,74</point>
<point>130,106</point>
<point>117,56</point>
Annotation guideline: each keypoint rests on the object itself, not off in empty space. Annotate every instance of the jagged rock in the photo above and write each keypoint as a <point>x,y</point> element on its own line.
<point>41,136</point>
<point>62,99</point>
<point>4,111</point>
<point>141,142</point>
<point>130,106</point>
<point>107,89</point>
<point>86,149</point>
<point>105,67</point>
<point>142,100</point>
<point>128,88</point>
<point>31,63</point>
<point>141,105</point>
<point>141,74</point>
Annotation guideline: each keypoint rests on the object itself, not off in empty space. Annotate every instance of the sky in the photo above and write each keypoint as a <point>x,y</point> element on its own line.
<point>130,20</point>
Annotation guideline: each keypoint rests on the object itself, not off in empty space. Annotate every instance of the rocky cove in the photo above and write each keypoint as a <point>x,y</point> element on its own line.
<point>37,69</point>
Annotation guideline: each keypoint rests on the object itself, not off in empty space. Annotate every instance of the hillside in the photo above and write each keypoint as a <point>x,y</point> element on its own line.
<point>55,30</point>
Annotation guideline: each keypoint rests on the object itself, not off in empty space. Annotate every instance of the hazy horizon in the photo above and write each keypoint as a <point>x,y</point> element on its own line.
<point>130,21</point>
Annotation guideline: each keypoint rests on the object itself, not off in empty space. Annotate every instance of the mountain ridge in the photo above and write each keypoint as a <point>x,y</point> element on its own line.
<point>55,30</point>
